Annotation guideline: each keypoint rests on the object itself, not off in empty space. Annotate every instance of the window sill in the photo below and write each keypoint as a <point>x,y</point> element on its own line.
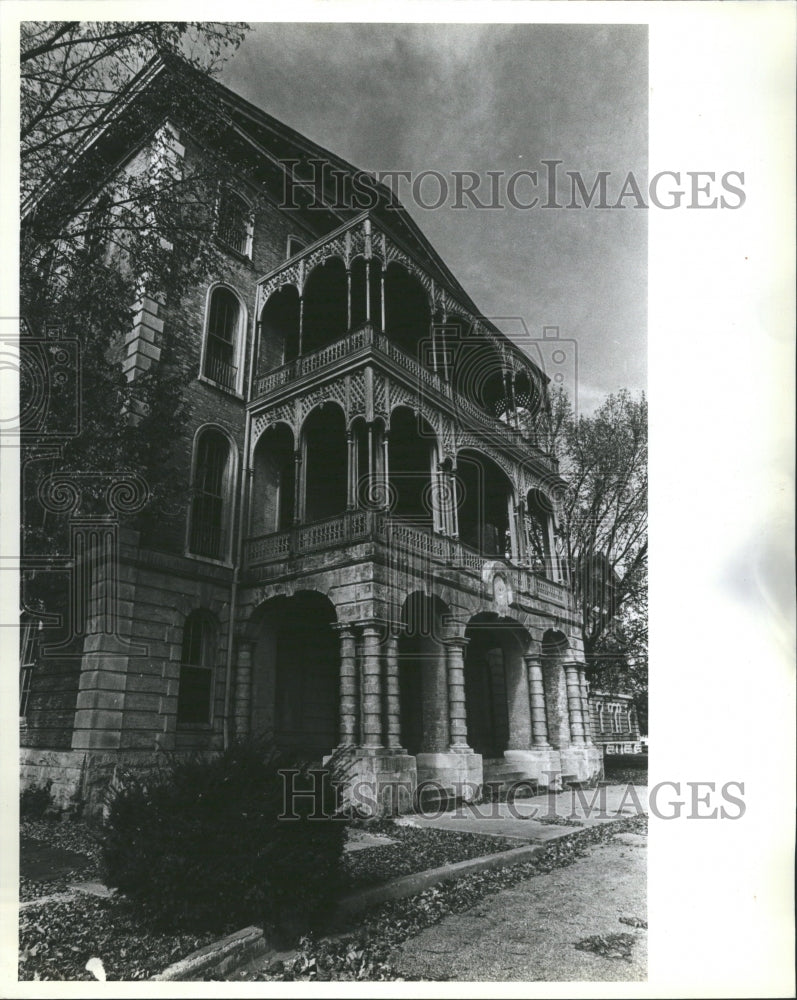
<point>225,563</point>
<point>242,258</point>
<point>220,386</point>
<point>194,727</point>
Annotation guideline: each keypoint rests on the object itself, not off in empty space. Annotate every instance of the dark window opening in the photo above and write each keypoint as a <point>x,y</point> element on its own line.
<point>196,670</point>
<point>209,488</point>
<point>221,346</point>
<point>234,223</point>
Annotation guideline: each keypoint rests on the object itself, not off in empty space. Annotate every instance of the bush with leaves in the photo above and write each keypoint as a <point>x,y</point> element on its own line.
<point>204,844</point>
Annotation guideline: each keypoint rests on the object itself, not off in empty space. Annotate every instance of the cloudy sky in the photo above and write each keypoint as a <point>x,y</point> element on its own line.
<point>491,98</point>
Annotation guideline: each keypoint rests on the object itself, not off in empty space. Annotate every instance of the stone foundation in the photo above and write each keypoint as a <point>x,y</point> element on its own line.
<point>544,765</point>
<point>380,782</point>
<point>458,773</point>
<point>585,762</point>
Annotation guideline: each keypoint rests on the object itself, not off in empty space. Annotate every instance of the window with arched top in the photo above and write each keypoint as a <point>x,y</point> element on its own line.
<point>222,339</point>
<point>235,224</point>
<point>195,695</point>
<point>210,496</point>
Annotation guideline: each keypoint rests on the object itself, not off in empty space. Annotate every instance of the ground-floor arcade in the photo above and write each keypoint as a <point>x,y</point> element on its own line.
<point>432,694</point>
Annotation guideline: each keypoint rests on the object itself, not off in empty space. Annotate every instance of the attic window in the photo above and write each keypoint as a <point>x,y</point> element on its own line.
<point>235,223</point>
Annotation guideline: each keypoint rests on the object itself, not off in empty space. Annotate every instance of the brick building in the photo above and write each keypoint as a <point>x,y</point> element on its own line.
<point>368,557</point>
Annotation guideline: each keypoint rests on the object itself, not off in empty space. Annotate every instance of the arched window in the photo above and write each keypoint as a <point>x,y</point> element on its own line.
<point>210,496</point>
<point>220,363</point>
<point>235,224</point>
<point>195,695</point>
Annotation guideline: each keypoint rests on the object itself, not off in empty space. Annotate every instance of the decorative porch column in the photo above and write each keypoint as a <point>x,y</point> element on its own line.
<point>539,723</point>
<point>457,716</point>
<point>518,703</point>
<point>348,299</point>
<point>392,703</point>
<point>242,710</point>
<point>371,687</point>
<point>298,483</point>
<point>351,482</point>
<point>348,685</point>
<point>301,324</point>
<point>582,682</point>
<point>574,701</point>
<point>386,466</point>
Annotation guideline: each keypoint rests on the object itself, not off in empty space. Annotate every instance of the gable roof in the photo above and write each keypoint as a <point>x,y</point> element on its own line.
<point>152,96</point>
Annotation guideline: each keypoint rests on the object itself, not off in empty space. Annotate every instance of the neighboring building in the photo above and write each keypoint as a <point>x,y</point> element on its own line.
<point>368,558</point>
<point>615,726</point>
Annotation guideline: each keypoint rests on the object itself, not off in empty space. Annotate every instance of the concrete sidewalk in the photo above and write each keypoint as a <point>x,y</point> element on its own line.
<point>583,923</point>
<point>542,817</point>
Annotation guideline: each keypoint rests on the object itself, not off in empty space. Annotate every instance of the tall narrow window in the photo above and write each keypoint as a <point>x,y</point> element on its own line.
<point>196,669</point>
<point>221,347</point>
<point>234,226</point>
<point>210,489</point>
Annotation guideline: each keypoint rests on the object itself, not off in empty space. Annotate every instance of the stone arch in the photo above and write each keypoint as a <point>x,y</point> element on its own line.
<point>495,684</point>
<point>295,670</point>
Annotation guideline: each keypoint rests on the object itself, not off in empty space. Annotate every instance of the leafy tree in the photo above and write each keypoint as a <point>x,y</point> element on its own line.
<point>603,534</point>
<point>94,237</point>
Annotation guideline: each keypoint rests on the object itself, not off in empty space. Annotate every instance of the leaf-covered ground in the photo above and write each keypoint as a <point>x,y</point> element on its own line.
<point>415,851</point>
<point>625,775</point>
<point>58,937</point>
<point>365,952</point>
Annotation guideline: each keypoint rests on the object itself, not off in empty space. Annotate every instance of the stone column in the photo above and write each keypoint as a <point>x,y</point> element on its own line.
<point>517,691</point>
<point>242,710</point>
<point>574,702</point>
<point>539,724</point>
<point>348,686</point>
<point>435,699</point>
<point>455,667</point>
<point>392,703</point>
<point>582,683</point>
<point>371,687</point>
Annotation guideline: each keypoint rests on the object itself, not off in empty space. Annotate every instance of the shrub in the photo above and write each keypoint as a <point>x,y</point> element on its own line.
<point>34,802</point>
<point>201,845</point>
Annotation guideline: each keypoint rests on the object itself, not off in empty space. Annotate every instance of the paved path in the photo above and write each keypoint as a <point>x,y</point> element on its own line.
<point>530,819</point>
<point>529,932</point>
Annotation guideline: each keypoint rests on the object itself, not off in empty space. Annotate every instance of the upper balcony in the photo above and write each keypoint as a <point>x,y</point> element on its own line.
<point>357,297</point>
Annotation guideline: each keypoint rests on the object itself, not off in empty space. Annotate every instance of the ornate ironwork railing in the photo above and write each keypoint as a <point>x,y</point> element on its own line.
<point>427,381</point>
